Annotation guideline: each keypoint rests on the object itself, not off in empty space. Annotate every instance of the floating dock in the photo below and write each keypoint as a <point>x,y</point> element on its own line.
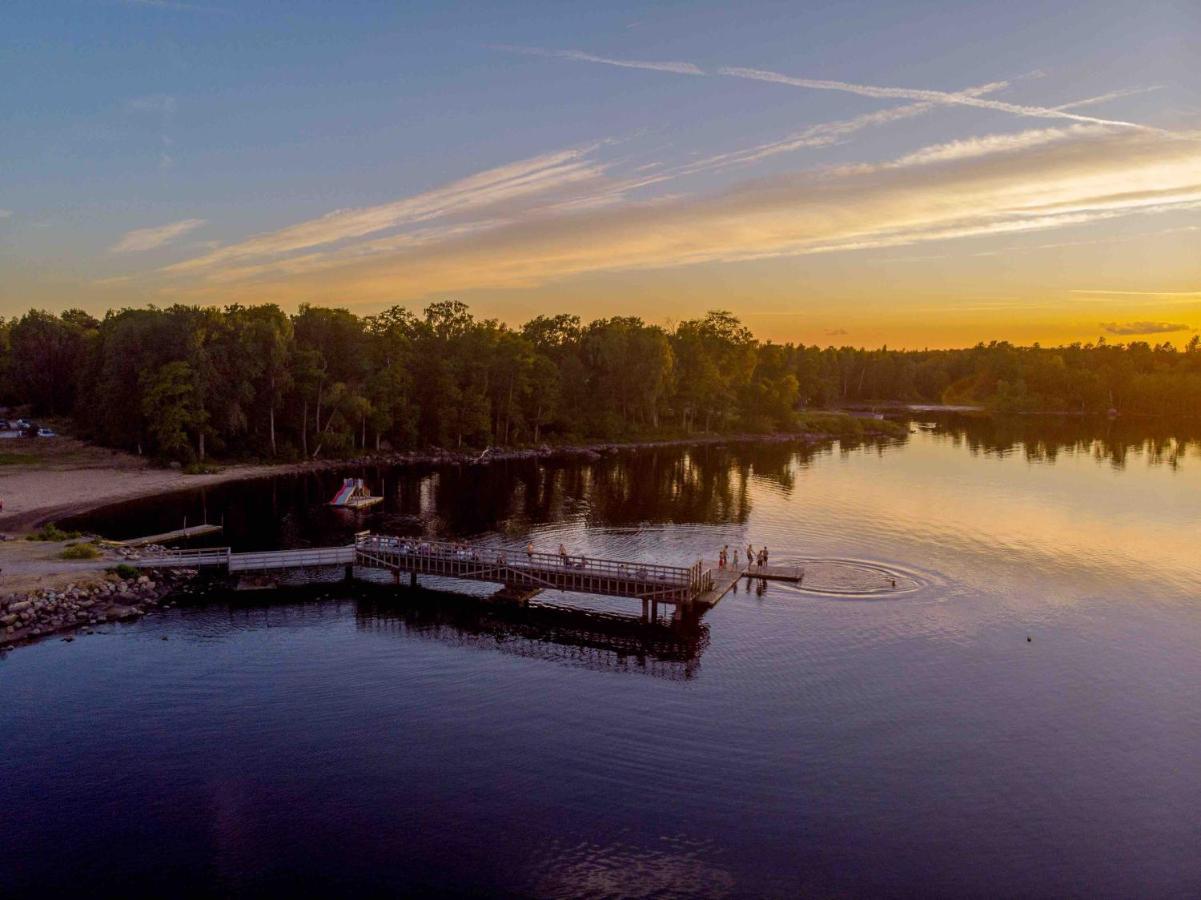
<point>723,579</point>
<point>180,534</point>
<point>794,574</point>
<point>353,494</point>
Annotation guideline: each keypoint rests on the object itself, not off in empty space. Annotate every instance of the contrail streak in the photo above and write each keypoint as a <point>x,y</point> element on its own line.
<point>943,97</point>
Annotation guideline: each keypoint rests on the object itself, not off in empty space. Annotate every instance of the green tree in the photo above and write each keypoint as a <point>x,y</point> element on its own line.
<point>172,408</point>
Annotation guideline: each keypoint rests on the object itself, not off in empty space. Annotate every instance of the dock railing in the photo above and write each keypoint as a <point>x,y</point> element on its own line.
<point>424,554</point>
<point>528,569</point>
<point>200,556</point>
<point>300,558</point>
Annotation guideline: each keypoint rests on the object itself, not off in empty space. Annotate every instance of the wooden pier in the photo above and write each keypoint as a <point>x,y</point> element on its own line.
<point>522,575</point>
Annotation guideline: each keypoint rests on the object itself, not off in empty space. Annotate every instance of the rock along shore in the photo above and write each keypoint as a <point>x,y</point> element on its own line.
<point>592,450</point>
<point>27,617</point>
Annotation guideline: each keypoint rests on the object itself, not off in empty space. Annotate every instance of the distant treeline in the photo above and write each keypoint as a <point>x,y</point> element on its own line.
<point>185,381</point>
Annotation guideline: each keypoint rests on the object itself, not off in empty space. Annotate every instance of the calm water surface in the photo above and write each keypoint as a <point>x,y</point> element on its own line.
<point>358,739</point>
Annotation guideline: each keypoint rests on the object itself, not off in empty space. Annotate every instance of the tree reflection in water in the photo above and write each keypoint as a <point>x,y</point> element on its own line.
<point>510,500</point>
<point>1044,438</point>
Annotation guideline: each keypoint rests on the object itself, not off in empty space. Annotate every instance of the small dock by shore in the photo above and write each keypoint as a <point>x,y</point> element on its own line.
<point>180,534</point>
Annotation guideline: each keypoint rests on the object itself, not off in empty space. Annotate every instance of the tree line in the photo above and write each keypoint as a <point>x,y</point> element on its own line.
<point>186,382</point>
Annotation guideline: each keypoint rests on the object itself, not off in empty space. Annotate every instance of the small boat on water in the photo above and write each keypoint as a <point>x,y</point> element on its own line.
<point>354,495</point>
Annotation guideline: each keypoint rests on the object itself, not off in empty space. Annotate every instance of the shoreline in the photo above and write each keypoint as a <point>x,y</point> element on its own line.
<point>90,600</point>
<point>44,595</point>
<point>36,495</point>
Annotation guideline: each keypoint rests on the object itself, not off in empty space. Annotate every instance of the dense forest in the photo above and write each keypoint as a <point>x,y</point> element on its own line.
<point>186,382</point>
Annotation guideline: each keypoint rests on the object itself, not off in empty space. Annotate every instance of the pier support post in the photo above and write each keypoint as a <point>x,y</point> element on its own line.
<point>646,610</point>
<point>348,575</point>
<point>412,579</point>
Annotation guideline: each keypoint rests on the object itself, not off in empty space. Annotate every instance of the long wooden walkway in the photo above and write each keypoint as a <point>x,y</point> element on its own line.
<point>532,571</point>
<point>523,574</point>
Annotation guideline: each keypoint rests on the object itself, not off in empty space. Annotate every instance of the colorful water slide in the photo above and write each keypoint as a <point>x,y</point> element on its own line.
<point>345,492</point>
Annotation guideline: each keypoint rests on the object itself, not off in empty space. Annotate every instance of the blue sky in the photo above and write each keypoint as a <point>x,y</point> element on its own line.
<point>144,140</point>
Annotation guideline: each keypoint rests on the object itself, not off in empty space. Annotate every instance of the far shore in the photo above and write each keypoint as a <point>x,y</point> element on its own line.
<point>64,477</point>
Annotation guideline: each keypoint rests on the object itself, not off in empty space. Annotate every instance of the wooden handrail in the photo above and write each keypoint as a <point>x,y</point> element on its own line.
<point>520,559</point>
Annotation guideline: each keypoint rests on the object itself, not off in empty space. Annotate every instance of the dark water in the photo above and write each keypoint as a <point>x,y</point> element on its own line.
<point>356,740</point>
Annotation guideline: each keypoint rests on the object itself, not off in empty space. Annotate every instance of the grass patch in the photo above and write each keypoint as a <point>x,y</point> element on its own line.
<point>18,459</point>
<point>124,570</point>
<point>841,425</point>
<point>52,532</point>
<point>199,468</point>
<point>80,551</point>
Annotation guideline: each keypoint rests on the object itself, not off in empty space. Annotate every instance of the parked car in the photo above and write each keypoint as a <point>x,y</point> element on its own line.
<point>46,432</point>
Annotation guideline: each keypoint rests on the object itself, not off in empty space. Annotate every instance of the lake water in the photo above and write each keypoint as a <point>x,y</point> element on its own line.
<point>790,742</point>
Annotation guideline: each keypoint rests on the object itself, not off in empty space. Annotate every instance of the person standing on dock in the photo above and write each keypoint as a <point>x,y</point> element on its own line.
<point>563,554</point>
<point>750,555</point>
<point>529,551</point>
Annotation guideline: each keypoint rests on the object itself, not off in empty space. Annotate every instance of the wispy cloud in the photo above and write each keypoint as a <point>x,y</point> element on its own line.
<point>995,143</point>
<point>1106,97</point>
<point>1003,187</point>
<point>1126,328</point>
<point>6,213</point>
<point>677,68</point>
<point>822,134</point>
<point>950,98</point>
<point>142,239</point>
<point>539,176</point>
<point>161,104</point>
<point>943,98</point>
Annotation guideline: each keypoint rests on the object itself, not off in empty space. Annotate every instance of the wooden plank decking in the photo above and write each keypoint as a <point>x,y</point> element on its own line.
<point>521,574</point>
<point>776,573</point>
<point>723,580</point>
<point>178,535</point>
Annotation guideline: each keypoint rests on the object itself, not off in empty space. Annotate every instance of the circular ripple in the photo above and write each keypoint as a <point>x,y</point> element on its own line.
<point>856,578</point>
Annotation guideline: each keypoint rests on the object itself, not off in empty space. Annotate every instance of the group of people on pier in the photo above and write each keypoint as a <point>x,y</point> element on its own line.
<point>757,559</point>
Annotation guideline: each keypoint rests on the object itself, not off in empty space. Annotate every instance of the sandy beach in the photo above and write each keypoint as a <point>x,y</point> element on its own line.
<point>52,478</point>
<point>49,479</point>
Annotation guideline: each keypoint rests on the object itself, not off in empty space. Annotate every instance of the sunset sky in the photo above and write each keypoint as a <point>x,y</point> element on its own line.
<point>909,173</point>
